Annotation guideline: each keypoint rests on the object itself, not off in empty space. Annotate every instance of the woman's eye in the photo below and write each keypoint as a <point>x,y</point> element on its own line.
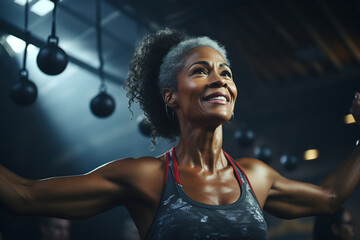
<point>199,71</point>
<point>226,73</point>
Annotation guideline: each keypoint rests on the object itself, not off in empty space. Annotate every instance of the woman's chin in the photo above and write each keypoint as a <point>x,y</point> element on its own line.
<point>216,119</point>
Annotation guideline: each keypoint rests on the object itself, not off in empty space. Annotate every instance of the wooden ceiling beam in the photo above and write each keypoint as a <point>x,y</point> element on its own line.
<point>257,52</point>
<point>272,47</point>
<point>317,67</point>
<point>348,41</point>
<point>300,68</point>
<point>315,35</point>
<point>252,61</point>
<point>292,43</point>
<point>278,28</point>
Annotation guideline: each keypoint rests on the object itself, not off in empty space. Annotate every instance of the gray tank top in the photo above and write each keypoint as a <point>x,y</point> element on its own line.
<point>181,217</point>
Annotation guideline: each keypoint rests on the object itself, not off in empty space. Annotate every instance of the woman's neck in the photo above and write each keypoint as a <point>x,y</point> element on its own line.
<point>199,147</point>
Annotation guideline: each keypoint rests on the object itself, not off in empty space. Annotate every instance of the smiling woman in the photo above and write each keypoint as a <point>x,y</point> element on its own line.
<point>196,190</point>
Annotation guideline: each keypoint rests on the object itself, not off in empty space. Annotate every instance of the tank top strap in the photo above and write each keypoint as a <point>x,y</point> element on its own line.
<point>170,175</point>
<point>232,161</point>
<point>167,156</point>
<point>171,162</point>
<point>174,166</point>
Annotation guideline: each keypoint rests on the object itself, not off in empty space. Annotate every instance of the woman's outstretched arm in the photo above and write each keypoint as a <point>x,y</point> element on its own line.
<point>75,196</point>
<point>290,199</point>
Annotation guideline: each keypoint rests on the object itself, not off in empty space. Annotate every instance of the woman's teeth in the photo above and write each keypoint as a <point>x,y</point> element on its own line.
<point>217,98</point>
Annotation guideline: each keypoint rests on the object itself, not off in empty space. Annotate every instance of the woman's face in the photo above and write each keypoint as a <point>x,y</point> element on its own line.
<point>206,90</point>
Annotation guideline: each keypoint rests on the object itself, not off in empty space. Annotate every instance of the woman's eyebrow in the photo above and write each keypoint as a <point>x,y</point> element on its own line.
<point>223,65</point>
<point>207,63</point>
<point>200,62</point>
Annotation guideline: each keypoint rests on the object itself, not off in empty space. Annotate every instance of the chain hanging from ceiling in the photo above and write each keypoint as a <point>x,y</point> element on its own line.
<point>102,105</point>
<point>23,92</point>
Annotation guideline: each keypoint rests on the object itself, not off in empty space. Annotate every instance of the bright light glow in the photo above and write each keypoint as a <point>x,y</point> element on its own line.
<point>42,7</point>
<point>349,119</point>
<point>311,154</point>
<point>32,48</point>
<point>18,45</point>
<point>21,2</point>
<point>15,43</point>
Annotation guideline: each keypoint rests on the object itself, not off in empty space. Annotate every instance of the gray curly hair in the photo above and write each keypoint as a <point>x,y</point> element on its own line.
<point>173,62</point>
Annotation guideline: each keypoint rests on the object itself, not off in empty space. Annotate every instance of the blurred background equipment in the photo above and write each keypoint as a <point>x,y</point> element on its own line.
<point>55,229</point>
<point>289,162</point>
<point>24,92</point>
<point>263,153</point>
<point>244,137</point>
<point>340,226</point>
<point>144,126</point>
<point>102,105</point>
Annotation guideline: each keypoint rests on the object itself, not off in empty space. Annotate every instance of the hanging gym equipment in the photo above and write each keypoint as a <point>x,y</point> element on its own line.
<point>289,162</point>
<point>263,153</point>
<point>102,105</point>
<point>51,59</point>
<point>24,92</point>
<point>144,126</point>
<point>245,137</point>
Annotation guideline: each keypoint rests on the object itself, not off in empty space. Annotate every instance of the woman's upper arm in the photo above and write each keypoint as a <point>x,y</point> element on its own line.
<point>83,195</point>
<point>291,199</point>
<point>283,197</point>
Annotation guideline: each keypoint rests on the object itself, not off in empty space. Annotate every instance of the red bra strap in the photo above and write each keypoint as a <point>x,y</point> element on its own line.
<point>175,165</point>
<point>167,154</point>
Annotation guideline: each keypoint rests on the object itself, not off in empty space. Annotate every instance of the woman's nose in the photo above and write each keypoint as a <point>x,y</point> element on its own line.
<point>217,81</point>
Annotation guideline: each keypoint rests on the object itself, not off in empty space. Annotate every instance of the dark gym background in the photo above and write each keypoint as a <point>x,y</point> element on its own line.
<point>295,63</point>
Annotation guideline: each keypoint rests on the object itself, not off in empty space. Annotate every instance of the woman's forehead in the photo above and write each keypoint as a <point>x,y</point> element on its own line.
<point>203,54</point>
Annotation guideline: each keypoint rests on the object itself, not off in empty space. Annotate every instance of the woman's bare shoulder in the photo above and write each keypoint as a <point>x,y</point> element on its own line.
<point>132,169</point>
<point>251,163</point>
<point>256,168</point>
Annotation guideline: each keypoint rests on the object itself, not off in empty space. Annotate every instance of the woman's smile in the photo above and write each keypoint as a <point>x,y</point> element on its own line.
<point>217,98</point>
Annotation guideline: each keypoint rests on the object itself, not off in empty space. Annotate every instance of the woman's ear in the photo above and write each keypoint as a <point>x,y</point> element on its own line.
<point>169,97</point>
